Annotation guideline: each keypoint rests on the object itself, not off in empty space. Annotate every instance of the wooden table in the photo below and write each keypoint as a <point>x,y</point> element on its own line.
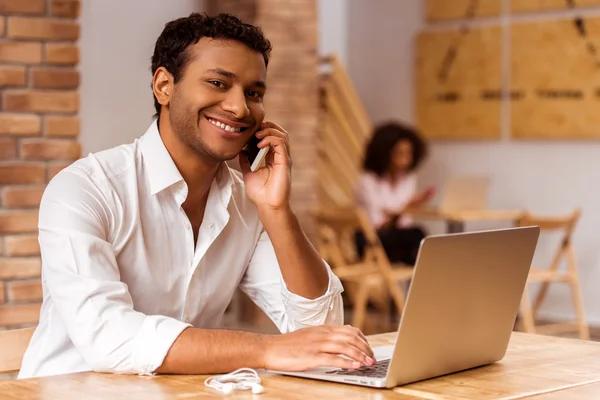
<point>456,220</point>
<point>533,363</point>
<point>591,391</point>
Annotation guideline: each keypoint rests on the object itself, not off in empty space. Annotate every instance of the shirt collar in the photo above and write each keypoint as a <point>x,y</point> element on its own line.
<point>162,171</point>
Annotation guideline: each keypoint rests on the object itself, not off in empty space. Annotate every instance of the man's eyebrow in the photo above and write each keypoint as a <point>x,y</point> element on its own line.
<point>231,75</point>
<point>222,72</point>
<point>260,84</point>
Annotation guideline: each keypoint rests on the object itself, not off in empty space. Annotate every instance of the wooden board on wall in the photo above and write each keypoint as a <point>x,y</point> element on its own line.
<point>439,10</point>
<point>459,98</point>
<point>556,79</point>
<point>547,5</point>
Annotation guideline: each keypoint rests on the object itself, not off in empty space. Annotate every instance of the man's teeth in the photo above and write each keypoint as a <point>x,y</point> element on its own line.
<point>224,126</point>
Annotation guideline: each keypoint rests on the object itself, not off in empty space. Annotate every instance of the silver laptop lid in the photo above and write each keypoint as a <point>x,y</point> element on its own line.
<point>462,302</point>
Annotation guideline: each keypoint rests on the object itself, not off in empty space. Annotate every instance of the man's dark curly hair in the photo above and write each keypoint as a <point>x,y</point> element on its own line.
<point>378,155</point>
<point>172,46</point>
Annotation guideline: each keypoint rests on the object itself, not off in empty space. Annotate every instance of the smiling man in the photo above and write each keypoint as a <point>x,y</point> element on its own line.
<point>144,245</point>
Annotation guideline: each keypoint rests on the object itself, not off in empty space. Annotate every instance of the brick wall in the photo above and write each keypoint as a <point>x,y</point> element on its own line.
<point>292,98</point>
<point>39,126</point>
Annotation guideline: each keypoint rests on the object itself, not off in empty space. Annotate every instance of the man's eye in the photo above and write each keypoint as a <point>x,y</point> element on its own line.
<point>217,84</point>
<point>253,93</point>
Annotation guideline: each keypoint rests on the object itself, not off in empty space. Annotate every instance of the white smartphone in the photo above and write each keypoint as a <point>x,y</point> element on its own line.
<point>255,155</point>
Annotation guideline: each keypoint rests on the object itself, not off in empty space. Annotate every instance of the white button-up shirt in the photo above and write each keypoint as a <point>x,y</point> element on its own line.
<point>121,275</point>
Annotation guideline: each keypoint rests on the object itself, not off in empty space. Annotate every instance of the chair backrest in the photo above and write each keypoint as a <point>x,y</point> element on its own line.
<point>13,344</point>
<point>565,223</point>
<point>336,229</point>
<point>345,128</point>
<point>336,235</point>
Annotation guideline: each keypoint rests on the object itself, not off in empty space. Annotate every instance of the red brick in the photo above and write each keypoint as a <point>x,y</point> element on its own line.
<point>55,168</point>
<point>2,26</point>
<point>8,149</point>
<point>18,221</point>
<point>62,126</point>
<point>19,124</point>
<point>61,54</point>
<point>49,149</point>
<point>55,78</point>
<point>21,291</point>
<point>19,314</point>
<point>22,197</point>
<point>42,28</point>
<point>21,52</point>
<point>22,245</point>
<point>20,267</point>
<point>32,7</point>
<point>12,76</point>
<point>65,8</point>
<point>22,173</point>
<point>37,101</point>
<point>1,292</point>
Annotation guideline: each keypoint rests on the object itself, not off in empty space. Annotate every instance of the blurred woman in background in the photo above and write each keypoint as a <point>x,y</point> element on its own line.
<point>388,186</point>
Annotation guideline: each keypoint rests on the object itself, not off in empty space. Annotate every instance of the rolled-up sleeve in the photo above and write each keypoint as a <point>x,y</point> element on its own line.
<point>83,280</point>
<point>264,284</point>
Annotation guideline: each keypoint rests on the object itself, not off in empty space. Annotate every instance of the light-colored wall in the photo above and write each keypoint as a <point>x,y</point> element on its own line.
<point>117,41</point>
<point>333,20</point>
<point>540,176</point>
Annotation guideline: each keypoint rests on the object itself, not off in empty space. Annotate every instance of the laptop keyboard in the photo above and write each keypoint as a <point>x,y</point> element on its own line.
<point>379,370</point>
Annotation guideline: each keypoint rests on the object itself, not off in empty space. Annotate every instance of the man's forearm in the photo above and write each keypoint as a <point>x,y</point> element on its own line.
<point>301,266</point>
<point>207,351</point>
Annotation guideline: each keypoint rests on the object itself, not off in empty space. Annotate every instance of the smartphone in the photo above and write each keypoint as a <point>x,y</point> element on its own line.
<point>255,155</point>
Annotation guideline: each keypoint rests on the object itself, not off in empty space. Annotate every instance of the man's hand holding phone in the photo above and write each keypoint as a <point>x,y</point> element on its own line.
<point>270,187</point>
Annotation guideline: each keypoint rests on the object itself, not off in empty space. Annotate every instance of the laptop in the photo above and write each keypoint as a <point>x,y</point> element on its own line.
<point>465,193</point>
<point>460,310</point>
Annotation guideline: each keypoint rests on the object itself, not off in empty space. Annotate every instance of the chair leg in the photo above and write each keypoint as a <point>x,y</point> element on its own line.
<point>541,295</point>
<point>360,306</point>
<point>528,322</point>
<point>584,332</point>
<point>539,298</point>
<point>397,295</point>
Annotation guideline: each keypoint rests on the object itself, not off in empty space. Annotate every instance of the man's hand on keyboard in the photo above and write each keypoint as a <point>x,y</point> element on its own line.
<point>320,346</point>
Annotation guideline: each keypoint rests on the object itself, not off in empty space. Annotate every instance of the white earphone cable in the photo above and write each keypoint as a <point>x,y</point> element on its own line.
<point>241,379</point>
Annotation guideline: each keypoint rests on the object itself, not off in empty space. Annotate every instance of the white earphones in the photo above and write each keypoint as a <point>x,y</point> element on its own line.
<point>241,379</point>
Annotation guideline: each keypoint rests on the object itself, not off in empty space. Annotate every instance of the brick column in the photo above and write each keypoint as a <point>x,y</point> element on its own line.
<point>38,136</point>
<point>292,98</point>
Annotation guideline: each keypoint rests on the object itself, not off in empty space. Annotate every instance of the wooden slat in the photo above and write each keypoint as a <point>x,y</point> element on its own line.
<point>13,344</point>
<point>345,129</point>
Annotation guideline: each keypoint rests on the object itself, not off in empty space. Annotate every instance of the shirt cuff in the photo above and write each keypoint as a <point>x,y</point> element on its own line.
<point>325,310</point>
<point>154,339</point>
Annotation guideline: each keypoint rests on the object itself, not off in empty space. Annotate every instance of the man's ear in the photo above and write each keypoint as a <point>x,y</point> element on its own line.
<point>162,86</point>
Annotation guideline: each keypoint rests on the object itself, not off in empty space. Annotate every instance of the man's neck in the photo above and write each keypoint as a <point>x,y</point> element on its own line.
<point>197,173</point>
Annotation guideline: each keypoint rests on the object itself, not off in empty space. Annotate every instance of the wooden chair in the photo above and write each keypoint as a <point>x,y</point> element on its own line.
<point>371,277</point>
<point>553,274</point>
<point>13,344</point>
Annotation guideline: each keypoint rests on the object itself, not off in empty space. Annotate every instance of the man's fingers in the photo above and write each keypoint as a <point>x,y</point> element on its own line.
<point>270,124</point>
<point>330,360</point>
<point>278,146</point>
<point>274,132</point>
<point>353,336</point>
<point>334,347</point>
<point>354,341</point>
<point>356,331</point>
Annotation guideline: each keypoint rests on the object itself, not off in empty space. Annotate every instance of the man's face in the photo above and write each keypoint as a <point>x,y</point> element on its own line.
<point>217,105</point>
